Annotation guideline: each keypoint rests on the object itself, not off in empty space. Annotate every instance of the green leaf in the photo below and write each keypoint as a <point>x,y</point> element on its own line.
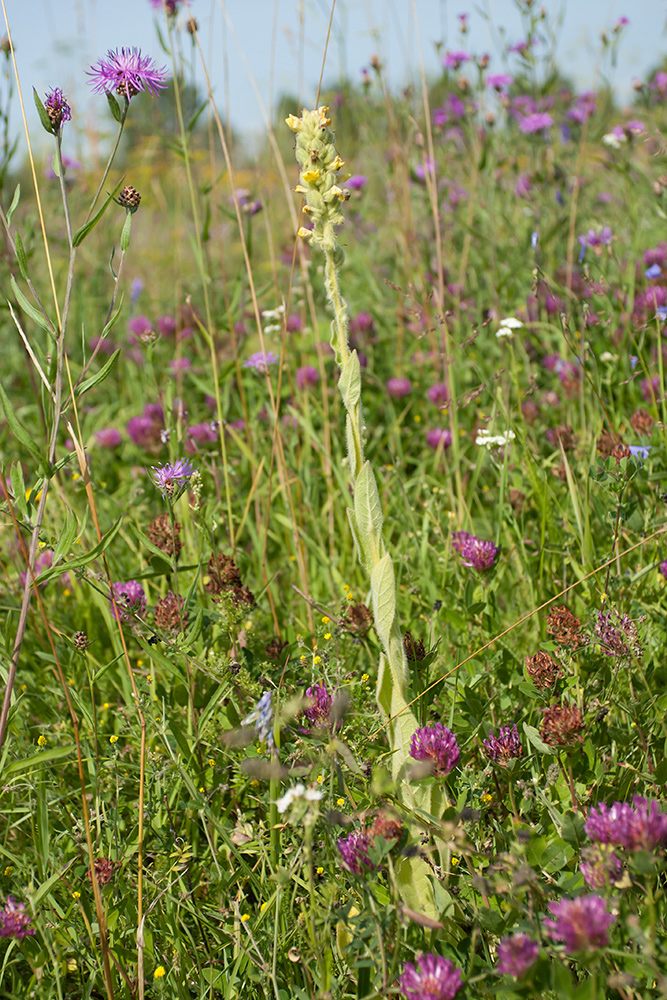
<point>14,204</point>
<point>43,113</point>
<point>383,592</point>
<point>114,107</point>
<point>100,376</point>
<point>414,885</point>
<point>86,558</point>
<point>125,235</point>
<point>533,737</point>
<point>37,760</point>
<point>35,314</point>
<point>88,227</point>
<point>18,430</point>
<point>21,256</point>
<point>67,536</point>
<point>349,382</point>
<point>368,516</point>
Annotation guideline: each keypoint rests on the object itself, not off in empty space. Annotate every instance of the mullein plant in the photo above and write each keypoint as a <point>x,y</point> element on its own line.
<point>323,194</point>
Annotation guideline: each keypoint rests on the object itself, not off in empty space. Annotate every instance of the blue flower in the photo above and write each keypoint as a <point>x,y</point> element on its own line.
<point>639,451</point>
<point>654,271</point>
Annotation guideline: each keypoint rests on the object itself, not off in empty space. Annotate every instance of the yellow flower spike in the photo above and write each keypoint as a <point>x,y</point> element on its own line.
<point>364,678</point>
<point>317,659</point>
<point>487,798</point>
<point>310,176</point>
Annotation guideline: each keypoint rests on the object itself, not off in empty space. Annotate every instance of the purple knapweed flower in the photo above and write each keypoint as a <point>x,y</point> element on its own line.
<point>363,322</point>
<point>14,921</point>
<point>127,72</point>
<point>353,851</point>
<point>57,108</point>
<point>581,923</point>
<point>583,107</point>
<point>356,182</point>
<point>599,867</point>
<point>261,360</point>
<point>294,324</point>
<point>143,431</point>
<point>505,747</point>
<point>173,477</point>
<point>522,46</point>
<point>130,600</point>
<point>538,121</point>
<point>478,553</point>
<point>398,387</point>
<point>170,7</point>
<point>516,954</point>
<point>204,433</point>
<point>452,60</point>
<point>500,82</point>
<point>436,744</point>
<point>108,437</point>
<point>306,376</point>
<point>421,170</point>
<point>433,978</point>
<point>140,329</point>
<point>438,394</point>
<point>438,438</point>
<point>643,828</point>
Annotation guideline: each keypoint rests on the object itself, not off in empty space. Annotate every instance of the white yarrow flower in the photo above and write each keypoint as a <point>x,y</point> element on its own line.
<point>299,791</point>
<point>487,440</point>
<point>613,141</point>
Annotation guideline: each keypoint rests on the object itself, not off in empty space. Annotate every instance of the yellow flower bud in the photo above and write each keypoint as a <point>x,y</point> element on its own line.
<point>305,234</point>
<point>310,176</point>
<point>294,123</point>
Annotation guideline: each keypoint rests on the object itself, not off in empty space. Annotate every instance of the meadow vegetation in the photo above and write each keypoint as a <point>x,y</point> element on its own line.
<point>333,495</point>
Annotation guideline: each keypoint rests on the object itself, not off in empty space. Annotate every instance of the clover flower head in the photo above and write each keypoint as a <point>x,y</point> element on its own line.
<point>432,978</point>
<point>320,704</point>
<point>581,923</point>
<point>353,851</point>
<point>477,553</point>
<point>14,921</point>
<point>516,954</point>
<point>130,600</point>
<point>172,477</point>
<point>437,744</point>
<point>505,746</point>
<point>642,828</point>
<point>127,72</point>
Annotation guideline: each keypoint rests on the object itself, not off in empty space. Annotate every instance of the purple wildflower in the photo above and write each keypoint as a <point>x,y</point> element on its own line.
<point>127,72</point>
<point>654,271</point>
<point>108,437</point>
<point>422,170</point>
<point>398,387</point>
<point>438,438</point>
<point>201,434</point>
<point>353,851</point>
<point>320,704</point>
<point>522,46</point>
<point>437,744</point>
<point>57,108</point>
<point>363,322</point>
<point>581,923</point>
<point>260,361</point>
<point>168,6</point>
<point>69,163</point>
<point>516,954</point>
<point>306,376</point>
<point>500,81</point>
<point>14,921</point>
<point>617,634</point>
<point>140,329</point>
<point>599,867</point>
<point>505,747</point>
<point>294,324</point>
<point>173,477</point>
<point>130,600</point>
<point>166,326</point>
<point>523,186</point>
<point>143,431</point>
<point>182,364</point>
<point>434,978</point>
<point>640,451</point>
<point>650,388</point>
<point>643,828</point>
<point>438,394</point>
<point>595,240</point>
<point>663,568</point>
<point>262,717</point>
<point>538,121</point>
<point>356,182</point>
<point>452,60</point>
<point>478,553</point>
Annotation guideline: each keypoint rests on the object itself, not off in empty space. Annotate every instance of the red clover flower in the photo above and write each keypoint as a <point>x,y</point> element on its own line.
<point>130,600</point>
<point>643,828</point>
<point>14,921</point>
<point>437,744</point>
<point>477,553</point>
<point>353,851</point>
<point>320,705</point>
<point>581,923</point>
<point>127,72</point>
<point>516,954</point>
<point>434,978</point>
<point>505,747</point>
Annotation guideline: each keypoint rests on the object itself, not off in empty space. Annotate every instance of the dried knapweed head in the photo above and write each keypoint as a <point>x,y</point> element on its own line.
<point>129,198</point>
<point>542,669</point>
<point>164,537</point>
<point>565,628</point>
<point>169,614</point>
<point>562,725</point>
<point>223,577</point>
<point>415,650</point>
<point>357,619</point>
<point>81,641</point>
<point>642,422</point>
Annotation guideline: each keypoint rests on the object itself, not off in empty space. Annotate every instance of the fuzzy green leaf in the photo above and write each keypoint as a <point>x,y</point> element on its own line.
<point>42,112</point>
<point>349,382</point>
<point>368,514</point>
<point>383,592</point>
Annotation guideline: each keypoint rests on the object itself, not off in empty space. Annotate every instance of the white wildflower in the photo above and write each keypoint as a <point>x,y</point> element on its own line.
<point>487,440</point>
<point>613,141</point>
<point>299,791</point>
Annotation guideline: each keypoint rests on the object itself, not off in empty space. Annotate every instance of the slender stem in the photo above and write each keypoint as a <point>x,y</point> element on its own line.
<point>121,125</point>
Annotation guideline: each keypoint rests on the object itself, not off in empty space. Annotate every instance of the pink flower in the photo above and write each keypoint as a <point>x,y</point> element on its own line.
<point>538,121</point>
<point>127,72</point>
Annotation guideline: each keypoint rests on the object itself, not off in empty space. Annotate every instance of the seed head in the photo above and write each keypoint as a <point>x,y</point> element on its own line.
<point>129,198</point>
<point>542,669</point>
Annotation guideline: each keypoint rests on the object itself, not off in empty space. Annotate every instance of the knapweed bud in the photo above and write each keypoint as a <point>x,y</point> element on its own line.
<point>57,109</point>
<point>81,641</point>
<point>129,198</point>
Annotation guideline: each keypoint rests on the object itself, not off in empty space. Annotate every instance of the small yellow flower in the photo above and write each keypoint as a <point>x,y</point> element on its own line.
<point>346,586</point>
<point>9,869</point>
<point>305,234</point>
<point>350,597</point>
<point>42,741</point>
<point>320,779</point>
<point>303,657</point>
<point>317,659</point>
<point>113,739</point>
<point>632,725</point>
<point>364,678</point>
<point>487,798</point>
<point>67,593</point>
<point>245,916</point>
<point>76,895</point>
<point>201,789</point>
<point>319,870</point>
<point>325,619</point>
<point>149,678</point>
<point>71,965</point>
<point>455,862</point>
<point>337,163</point>
<point>160,972</point>
<point>263,906</point>
<point>327,635</point>
<point>105,705</point>
<point>310,176</point>
<point>340,802</point>
<point>418,419</point>
<point>24,687</point>
<point>248,625</point>
<point>255,783</point>
<point>292,558</point>
<point>211,762</point>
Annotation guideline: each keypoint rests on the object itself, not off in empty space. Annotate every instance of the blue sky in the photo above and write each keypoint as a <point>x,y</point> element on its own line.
<point>258,47</point>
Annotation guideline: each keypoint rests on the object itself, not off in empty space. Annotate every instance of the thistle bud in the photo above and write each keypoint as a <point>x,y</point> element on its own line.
<point>129,198</point>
